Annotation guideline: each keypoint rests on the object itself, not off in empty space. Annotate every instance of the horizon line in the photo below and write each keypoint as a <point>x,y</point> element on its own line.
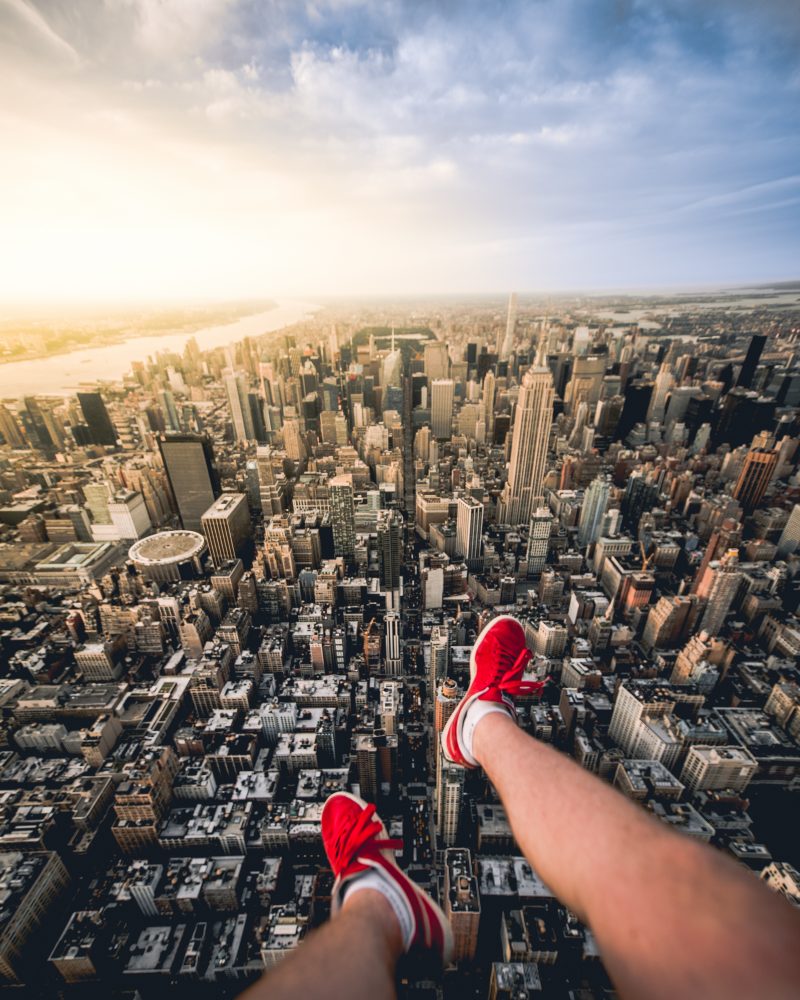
<point>275,299</point>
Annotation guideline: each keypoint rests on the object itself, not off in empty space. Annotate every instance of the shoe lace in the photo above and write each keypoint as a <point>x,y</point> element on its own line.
<point>350,841</point>
<point>509,674</point>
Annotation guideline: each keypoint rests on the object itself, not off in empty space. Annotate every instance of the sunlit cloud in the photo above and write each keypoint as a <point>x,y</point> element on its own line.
<point>226,148</point>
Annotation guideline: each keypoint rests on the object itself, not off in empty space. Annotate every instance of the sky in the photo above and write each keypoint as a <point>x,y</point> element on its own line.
<point>219,149</point>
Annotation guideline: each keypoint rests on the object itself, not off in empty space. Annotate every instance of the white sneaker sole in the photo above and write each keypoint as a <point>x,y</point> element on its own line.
<point>444,923</point>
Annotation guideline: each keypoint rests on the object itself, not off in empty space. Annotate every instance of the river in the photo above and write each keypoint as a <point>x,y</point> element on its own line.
<point>64,374</point>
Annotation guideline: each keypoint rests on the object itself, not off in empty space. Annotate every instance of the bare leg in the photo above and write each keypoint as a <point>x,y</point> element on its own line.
<point>353,955</point>
<point>673,917</point>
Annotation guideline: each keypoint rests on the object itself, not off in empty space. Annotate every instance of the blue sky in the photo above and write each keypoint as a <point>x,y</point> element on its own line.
<point>215,148</point>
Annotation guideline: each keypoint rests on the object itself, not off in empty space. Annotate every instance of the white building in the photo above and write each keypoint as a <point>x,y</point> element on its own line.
<point>442,397</point>
<point>718,767</point>
<point>449,792</point>
<point>538,540</point>
<point>469,528</point>
<point>129,515</point>
<point>790,536</point>
<point>783,878</point>
<point>533,418</point>
<point>277,717</point>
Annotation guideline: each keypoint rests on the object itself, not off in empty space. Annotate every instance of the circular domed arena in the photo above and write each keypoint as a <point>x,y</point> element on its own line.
<point>169,556</point>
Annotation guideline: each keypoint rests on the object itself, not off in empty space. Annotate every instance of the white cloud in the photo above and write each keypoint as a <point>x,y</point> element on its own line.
<point>251,146</point>
<point>176,28</point>
<point>24,27</point>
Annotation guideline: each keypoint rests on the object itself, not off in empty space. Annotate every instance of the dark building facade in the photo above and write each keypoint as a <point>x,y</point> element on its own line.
<point>101,430</point>
<point>193,478</point>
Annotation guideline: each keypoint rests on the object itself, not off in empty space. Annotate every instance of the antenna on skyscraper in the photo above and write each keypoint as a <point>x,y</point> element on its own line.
<point>541,350</point>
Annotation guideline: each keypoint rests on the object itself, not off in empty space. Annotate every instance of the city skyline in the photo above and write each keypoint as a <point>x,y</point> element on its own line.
<point>399,498</point>
<point>228,150</point>
<point>238,580</point>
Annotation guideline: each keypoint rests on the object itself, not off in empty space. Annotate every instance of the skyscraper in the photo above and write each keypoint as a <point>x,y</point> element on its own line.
<point>97,419</point>
<point>372,646</point>
<point>489,387</point>
<point>748,370</point>
<point>755,477</point>
<point>449,793</point>
<point>391,705</point>
<point>727,536</point>
<point>268,492</point>
<point>462,904</point>
<point>170,410</point>
<point>538,540</point>
<point>505,344</point>
<point>658,401</point>
<point>256,407</point>
<point>33,882</point>
<point>635,703</point>
<point>10,429</point>
<point>743,413</point>
<point>586,384</point>
<point>226,525</point>
<point>531,433</point>
<point>595,504</point>
<point>343,516</point>
<point>376,763</point>
<point>724,587</point>
<point>293,439</point>
<point>668,620</point>
<point>390,551</point>
<point>469,529</point>
<point>442,394</point>
<point>392,367</point>
<point>239,405</point>
<point>640,496</point>
<point>790,536</point>
<point>97,496</point>
<point>437,359</point>
<point>193,478</point>
<point>34,419</point>
<point>394,661</point>
<point>637,396</point>
<point>447,699</point>
<point>440,655</point>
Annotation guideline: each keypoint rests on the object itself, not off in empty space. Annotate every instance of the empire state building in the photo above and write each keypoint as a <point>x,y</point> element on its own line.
<point>533,419</point>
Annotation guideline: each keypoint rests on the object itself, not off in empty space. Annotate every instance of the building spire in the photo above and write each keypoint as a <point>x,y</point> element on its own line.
<point>541,350</point>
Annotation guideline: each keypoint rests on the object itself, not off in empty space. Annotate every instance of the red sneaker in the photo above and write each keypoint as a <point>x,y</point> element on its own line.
<point>496,665</point>
<point>356,841</point>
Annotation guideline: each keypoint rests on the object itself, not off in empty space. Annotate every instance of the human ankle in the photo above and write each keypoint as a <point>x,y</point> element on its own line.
<point>382,901</point>
<point>484,729</point>
<point>474,720</point>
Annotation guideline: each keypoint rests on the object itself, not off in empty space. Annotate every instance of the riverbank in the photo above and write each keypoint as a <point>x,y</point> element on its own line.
<point>35,340</point>
<point>64,374</point>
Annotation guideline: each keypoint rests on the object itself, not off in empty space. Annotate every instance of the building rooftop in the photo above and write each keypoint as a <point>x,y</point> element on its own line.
<point>684,817</point>
<point>18,874</point>
<point>517,979</point>
<point>78,940</point>
<point>650,776</point>
<point>463,891</point>
<point>753,729</point>
<point>224,504</point>
<point>155,950</point>
<point>167,547</point>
